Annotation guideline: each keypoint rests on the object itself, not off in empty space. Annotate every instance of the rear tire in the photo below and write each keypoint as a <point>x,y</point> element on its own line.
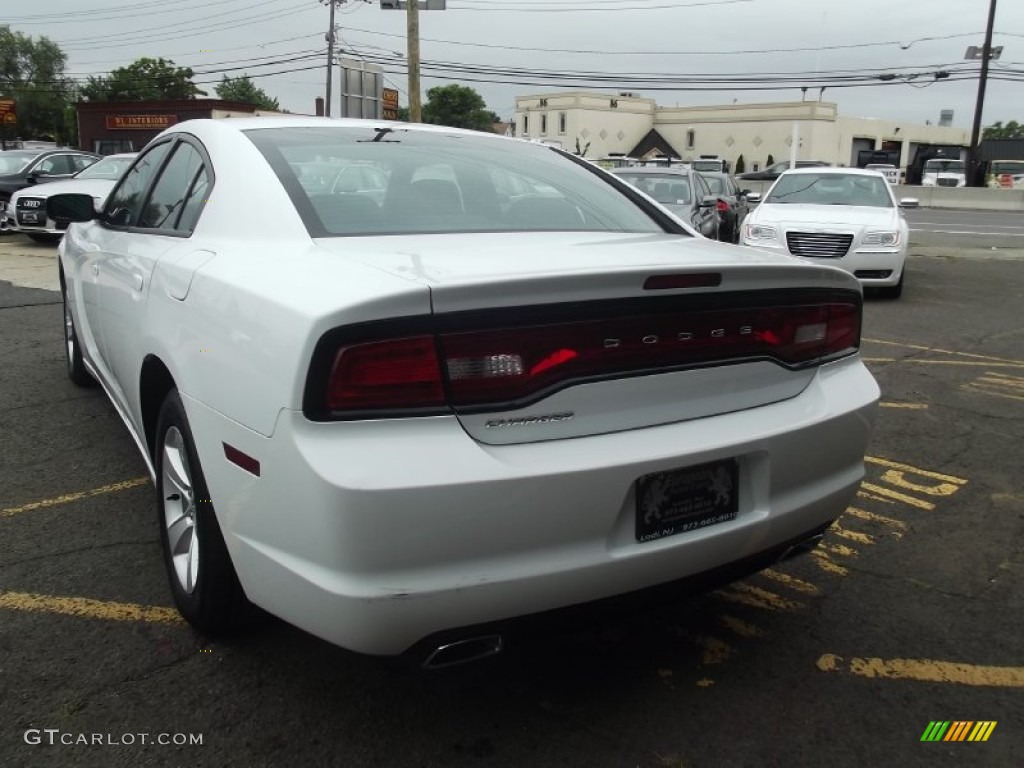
<point>203,580</point>
<point>46,238</point>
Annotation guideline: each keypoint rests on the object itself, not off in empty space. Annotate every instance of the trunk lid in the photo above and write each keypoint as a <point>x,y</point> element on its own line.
<point>606,349</point>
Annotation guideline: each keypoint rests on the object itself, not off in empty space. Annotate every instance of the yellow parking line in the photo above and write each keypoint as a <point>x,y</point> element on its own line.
<point>739,626</point>
<point>926,670</point>
<point>87,608</point>
<point>908,468</point>
<point>898,496</point>
<point>822,559</point>
<point>755,597</point>
<point>789,581</point>
<point>944,351</point>
<point>860,538</point>
<point>908,406</point>
<point>67,498</point>
<point>876,518</point>
<point>992,391</point>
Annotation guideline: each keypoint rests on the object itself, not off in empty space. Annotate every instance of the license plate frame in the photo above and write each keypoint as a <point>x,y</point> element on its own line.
<point>28,217</point>
<point>686,499</point>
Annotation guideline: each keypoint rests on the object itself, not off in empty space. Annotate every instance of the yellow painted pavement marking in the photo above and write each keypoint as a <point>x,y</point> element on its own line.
<point>916,470</point>
<point>992,391</point>
<point>833,548</point>
<point>978,364</point>
<point>944,351</point>
<point>713,650</point>
<point>739,626</point>
<point>823,561</point>
<point>1002,380</point>
<point>746,594</point>
<point>876,518</point>
<point>84,607</point>
<point>860,538</point>
<point>926,670</point>
<point>789,581</point>
<point>907,406</point>
<point>70,497</point>
<point>873,497</point>
<point>879,359</point>
<point>898,496</point>
<point>897,478</point>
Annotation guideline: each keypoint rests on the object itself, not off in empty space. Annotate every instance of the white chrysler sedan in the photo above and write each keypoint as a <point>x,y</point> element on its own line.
<point>402,419</point>
<point>845,217</point>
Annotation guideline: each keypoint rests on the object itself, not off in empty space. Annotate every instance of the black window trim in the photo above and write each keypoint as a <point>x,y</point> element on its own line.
<point>174,140</point>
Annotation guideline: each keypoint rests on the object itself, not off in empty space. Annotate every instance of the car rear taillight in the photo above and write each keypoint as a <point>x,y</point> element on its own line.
<point>722,206</point>
<point>523,361</point>
<point>396,373</point>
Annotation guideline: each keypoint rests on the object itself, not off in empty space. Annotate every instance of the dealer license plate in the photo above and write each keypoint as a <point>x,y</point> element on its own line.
<point>29,218</point>
<point>681,500</point>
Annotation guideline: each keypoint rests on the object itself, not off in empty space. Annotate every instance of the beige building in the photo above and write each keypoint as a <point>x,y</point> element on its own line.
<point>623,124</point>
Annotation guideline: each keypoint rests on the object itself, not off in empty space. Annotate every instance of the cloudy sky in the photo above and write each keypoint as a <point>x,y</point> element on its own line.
<point>660,48</point>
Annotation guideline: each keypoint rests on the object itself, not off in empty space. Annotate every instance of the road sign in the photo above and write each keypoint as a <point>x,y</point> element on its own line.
<point>7,111</point>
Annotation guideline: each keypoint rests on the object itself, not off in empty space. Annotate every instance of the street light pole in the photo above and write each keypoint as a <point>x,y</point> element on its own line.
<point>986,53</point>
<point>330,58</point>
<point>413,37</point>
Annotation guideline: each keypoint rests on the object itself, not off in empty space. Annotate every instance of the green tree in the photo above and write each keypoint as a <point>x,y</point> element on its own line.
<point>458,106</point>
<point>144,79</point>
<point>1012,130</point>
<point>242,89</point>
<point>741,165</point>
<point>32,72</point>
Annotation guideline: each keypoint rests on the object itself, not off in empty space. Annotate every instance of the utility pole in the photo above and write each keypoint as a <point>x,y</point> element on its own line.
<point>413,38</point>
<point>330,56</point>
<point>986,54</point>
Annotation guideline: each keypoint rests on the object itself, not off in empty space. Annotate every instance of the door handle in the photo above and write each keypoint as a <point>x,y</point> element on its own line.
<point>137,282</point>
<point>95,269</point>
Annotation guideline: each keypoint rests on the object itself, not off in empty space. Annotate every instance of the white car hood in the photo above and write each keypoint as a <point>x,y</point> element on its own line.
<point>98,188</point>
<point>819,216</point>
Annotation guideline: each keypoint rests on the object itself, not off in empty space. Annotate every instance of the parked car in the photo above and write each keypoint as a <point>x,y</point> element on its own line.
<point>20,168</point>
<point>732,205</point>
<point>845,217</point>
<point>775,170</point>
<point>26,210</point>
<point>404,427</point>
<point>679,189</point>
<point>891,172</point>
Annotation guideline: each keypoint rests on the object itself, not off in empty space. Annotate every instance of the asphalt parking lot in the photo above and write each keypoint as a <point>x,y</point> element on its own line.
<point>911,612</point>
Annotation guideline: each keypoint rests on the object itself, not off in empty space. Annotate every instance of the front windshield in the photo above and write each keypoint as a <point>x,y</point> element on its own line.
<point>831,189</point>
<point>13,161</point>
<point>945,166</point>
<point>666,188</point>
<point>107,168</point>
<point>1008,166</point>
<point>360,180</point>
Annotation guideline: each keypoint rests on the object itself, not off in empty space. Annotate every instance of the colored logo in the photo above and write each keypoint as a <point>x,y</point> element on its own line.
<point>958,730</point>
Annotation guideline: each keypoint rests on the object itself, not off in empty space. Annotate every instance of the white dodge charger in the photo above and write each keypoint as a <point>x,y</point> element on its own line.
<point>478,380</point>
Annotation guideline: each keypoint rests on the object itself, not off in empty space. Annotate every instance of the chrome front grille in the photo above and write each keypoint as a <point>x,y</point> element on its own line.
<point>818,245</point>
<point>947,182</point>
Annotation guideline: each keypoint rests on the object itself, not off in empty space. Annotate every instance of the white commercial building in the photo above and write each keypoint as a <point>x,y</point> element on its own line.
<point>632,125</point>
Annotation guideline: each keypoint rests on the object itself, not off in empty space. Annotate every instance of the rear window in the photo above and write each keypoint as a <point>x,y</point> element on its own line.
<point>666,188</point>
<point>369,181</point>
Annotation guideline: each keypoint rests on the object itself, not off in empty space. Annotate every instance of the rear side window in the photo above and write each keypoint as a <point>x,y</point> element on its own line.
<point>171,191</point>
<point>125,202</point>
<point>670,189</point>
<point>353,181</point>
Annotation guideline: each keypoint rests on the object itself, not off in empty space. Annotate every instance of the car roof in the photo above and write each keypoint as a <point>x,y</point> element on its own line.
<point>817,171</point>
<point>678,170</point>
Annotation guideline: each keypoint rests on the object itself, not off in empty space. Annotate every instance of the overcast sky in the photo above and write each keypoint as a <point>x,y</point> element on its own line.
<point>667,37</point>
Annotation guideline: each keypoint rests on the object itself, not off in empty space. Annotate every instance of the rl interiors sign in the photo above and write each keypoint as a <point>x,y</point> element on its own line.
<point>140,122</point>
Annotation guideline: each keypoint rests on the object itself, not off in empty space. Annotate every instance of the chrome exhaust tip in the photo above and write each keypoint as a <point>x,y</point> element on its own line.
<point>804,547</point>
<point>464,651</point>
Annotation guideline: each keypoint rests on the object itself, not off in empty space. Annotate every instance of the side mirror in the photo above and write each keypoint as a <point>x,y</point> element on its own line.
<point>745,192</point>
<point>909,202</point>
<point>71,207</point>
<point>753,197</point>
<point>709,201</point>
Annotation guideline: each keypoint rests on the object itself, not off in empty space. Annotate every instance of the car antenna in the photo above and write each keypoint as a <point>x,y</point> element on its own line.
<point>381,133</point>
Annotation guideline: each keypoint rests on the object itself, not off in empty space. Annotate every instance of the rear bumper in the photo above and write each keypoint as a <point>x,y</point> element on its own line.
<point>375,535</point>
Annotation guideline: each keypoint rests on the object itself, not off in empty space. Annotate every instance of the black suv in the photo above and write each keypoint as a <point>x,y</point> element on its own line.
<point>20,168</point>
<point>775,170</point>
